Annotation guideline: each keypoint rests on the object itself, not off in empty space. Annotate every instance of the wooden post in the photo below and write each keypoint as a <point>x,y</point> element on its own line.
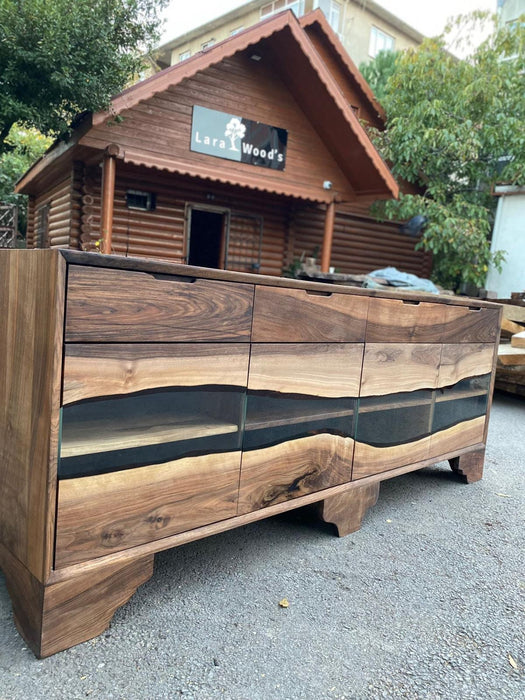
<point>108,197</point>
<point>328,236</point>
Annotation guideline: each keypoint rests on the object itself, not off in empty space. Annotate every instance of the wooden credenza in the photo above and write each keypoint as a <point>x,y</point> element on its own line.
<point>144,405</point>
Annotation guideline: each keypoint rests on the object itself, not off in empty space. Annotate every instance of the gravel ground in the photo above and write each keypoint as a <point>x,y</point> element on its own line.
<point>425,601</point>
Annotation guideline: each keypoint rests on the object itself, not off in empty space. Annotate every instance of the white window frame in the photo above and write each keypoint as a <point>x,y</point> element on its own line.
<point>207,44</point>
<point>380,41</point>
<point>296,6</point>
<point>237,30</point>
<point>184,55</point>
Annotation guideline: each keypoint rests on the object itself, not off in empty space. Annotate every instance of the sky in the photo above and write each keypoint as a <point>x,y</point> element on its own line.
<point>427,17</point>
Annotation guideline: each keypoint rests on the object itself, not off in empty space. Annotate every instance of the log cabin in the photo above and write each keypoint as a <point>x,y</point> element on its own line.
<point>244,157</point>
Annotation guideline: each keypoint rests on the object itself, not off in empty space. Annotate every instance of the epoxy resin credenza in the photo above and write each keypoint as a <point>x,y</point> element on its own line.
<point>145,404</point>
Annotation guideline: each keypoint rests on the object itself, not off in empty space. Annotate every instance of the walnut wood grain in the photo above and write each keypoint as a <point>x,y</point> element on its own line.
<point>293,315</point>
<point>397,321</point>
<point>463,360</point>
<point>347,510</point>
<point>314,369</point>
<point>57,616</point>
<point>31,321</point>
<point>107,369</point>
<point>116,306</point>
<point>469,466</point>
<point>390,368</point>
<point>292,469</point>
<point>370,460</point>
<point>458,436</point>
<point>106,513</point>
<point>473,324</point>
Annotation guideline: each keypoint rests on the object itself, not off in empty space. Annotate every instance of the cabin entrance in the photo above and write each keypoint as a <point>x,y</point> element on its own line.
<point>207,235</point>
<point>223,239</point>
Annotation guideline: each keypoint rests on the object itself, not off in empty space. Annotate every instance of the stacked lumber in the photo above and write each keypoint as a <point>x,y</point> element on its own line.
<point>510,370</point>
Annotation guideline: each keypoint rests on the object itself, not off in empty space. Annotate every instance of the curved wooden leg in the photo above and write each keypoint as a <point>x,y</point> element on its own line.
<point>469,465</point>
<point>347,510</point>
<point>57,616</point>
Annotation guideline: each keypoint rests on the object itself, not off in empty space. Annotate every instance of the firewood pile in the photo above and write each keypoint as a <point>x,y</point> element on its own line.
<point>510,370</point>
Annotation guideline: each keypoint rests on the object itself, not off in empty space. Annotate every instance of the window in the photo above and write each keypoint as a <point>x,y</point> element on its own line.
<point>332,11</point>
<point>207,44</point>
<point>380,41</point>
<point>237,30</point>
<point>42,226</point>
<point>296,6</point>
<point>145,201</point>
<point>184,55</point>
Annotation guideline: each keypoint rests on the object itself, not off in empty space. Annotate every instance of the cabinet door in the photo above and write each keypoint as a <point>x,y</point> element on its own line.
<point>404,321</point>
<point>394,419</point>
<point>461,399</point>
<point>299,420</point>
<point>151,443</point>
<point>105,305</point>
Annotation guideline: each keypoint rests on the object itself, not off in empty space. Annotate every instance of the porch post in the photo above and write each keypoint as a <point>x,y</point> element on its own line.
<point>108,196</point>
<point>328,236</point>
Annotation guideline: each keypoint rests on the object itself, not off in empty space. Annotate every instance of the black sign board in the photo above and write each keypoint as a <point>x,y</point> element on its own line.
<point>234,138</point>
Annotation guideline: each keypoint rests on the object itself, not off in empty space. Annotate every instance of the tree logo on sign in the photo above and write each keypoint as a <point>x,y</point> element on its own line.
<point>235,129</point>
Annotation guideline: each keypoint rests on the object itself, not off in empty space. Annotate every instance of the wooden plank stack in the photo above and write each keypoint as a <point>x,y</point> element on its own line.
<point>510,371</point>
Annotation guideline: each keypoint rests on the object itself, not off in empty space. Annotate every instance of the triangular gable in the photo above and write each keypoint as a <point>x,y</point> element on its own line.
<point>315,90</point>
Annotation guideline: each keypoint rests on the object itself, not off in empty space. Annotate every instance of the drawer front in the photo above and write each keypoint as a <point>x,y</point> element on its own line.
<point>471,324</point>
<point>107,369</point>
<point>108,305</point>
<point>107,513</point>
<point>297,315</point>
<point>403,321</point>
<point>300,416</point>
<point>390,368</point>
<point>129,405</point>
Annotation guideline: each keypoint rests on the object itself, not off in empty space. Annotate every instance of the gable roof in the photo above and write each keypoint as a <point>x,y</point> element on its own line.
<point>309,79</point>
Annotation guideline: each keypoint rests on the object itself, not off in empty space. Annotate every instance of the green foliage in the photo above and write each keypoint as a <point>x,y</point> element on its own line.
<point>24,147</point>
<point>450,123</point>
<point>377,72</point>
<point>59,58</point>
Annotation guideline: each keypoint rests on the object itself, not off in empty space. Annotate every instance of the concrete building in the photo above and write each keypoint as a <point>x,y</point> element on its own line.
<point>364,28</point>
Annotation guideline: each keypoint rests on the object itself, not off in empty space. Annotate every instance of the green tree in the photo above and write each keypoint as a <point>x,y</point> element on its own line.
<point>454,129</point>
<point>378,71</point>
<point>59,58</point>
<point>24,147</point>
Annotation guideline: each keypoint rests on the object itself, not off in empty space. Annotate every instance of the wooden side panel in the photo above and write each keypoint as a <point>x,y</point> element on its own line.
<point>31,298</point>
<point>101,514</point>
<point>292,469</point>
<point>463,360</point>
<point>471,324</point>
<point>126,306</point>
<point>59,199</point>
<point>330,369</point>
<point>108,369</point>
<point>400,321</point>
<point>293,315</point>
<point>389,368</point>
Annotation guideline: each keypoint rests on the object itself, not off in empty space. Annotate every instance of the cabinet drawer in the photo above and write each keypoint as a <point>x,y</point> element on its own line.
<point>120,305</point>
<point>470,324</point>
<point>389,368</point>
<point>403,321</point>
<point>298,315</point>
<point>107,513</point>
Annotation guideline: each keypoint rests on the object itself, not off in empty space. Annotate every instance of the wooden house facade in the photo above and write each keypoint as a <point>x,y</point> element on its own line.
<point>244,157</point>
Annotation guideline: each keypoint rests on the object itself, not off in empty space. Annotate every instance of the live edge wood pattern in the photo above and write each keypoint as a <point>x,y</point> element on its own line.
<point>102,369</point>
<point>101,514</point>
<point>74,549</point>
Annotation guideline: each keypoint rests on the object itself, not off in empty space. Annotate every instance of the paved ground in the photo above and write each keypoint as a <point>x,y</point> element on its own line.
<point>425,601</point>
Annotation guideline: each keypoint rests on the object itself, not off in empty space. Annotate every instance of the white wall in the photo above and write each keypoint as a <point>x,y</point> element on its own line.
<point>509,235</point>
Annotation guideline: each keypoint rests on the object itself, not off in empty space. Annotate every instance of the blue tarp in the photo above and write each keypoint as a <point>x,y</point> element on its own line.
<point>395,278</point>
